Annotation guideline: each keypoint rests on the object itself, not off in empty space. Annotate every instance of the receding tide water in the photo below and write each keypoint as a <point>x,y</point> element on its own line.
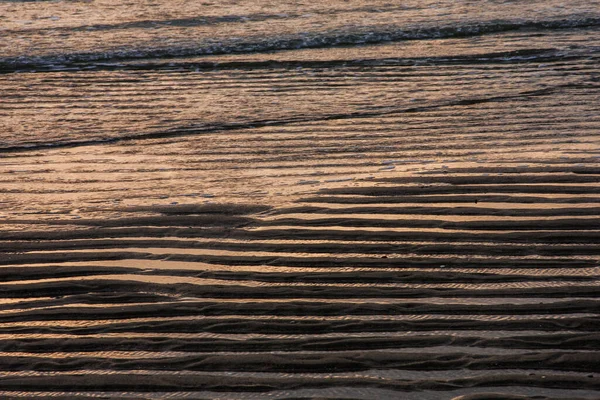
<point>283,200</point>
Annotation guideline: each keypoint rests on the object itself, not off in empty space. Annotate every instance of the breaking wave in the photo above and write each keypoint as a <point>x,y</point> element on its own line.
<point>350,36</point>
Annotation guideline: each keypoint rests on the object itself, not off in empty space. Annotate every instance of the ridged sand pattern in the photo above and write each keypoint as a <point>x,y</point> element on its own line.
<point>412,216</point>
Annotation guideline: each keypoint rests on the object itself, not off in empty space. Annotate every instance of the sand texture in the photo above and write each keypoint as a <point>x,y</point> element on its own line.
<point>352,201</point>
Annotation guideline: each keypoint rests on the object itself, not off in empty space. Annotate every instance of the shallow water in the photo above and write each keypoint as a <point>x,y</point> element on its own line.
<point>272,200</point>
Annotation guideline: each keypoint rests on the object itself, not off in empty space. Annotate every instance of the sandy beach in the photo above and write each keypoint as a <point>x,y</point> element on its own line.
<point>265,201</point>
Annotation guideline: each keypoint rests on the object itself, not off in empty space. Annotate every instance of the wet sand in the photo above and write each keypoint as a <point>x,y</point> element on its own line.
<point>405,220</point>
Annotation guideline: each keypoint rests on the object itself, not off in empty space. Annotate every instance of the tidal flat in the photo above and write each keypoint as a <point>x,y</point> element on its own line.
<point>275,200</point>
